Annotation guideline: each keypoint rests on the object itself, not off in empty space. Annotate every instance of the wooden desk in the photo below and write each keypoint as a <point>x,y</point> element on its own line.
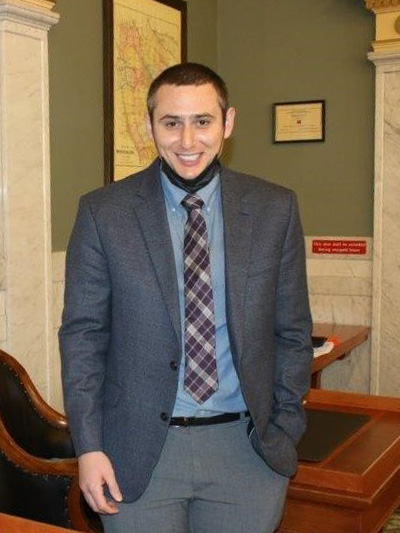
<point>357,487</point>
<point>349,337</point>
<point>14,524</point>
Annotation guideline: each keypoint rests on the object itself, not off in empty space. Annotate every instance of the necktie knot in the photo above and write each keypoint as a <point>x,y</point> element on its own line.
<point>191,202</point>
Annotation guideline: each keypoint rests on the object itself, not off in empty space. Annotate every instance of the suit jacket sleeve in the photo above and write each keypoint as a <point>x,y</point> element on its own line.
<point>85,330</point>
<point>292,333</point>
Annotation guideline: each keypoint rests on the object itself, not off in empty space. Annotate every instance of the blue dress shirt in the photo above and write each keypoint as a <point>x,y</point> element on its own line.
<point>228,397</point>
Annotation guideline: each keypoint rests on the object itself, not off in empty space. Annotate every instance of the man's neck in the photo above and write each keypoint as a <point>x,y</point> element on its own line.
<point>192,186</point>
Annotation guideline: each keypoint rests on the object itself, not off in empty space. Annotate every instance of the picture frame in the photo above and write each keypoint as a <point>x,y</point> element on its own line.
<point>301,121</point>
<point>140,39</point>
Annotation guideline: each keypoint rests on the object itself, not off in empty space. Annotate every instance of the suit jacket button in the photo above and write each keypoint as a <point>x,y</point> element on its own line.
<point>164,416</point>
<point>173,365</point>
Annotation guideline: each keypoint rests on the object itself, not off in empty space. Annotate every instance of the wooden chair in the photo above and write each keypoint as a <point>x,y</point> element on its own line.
<point>38,468</point>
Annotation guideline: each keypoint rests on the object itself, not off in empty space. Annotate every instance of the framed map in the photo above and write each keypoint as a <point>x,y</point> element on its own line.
<point>141,38</point>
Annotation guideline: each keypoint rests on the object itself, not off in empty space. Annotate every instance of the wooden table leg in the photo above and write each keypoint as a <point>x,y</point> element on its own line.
<point>316,380</point>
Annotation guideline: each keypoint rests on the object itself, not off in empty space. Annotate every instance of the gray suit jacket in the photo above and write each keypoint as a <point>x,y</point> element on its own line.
<point>121,330</point>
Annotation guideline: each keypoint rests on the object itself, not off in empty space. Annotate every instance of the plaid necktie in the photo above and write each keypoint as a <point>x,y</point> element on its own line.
<point>201,379</point>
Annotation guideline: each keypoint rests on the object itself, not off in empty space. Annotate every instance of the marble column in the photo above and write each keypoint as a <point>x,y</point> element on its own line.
<point>25,233</point>
<point>385,368</point>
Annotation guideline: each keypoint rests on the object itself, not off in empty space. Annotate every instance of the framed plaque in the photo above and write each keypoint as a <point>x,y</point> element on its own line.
<point>141,38</point>
<point>299,121</point>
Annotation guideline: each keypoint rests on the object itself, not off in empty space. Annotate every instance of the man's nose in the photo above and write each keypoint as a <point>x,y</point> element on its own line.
<point>188,136</point>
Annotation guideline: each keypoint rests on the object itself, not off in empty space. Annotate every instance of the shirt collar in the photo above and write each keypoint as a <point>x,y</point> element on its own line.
<point>174,195</point>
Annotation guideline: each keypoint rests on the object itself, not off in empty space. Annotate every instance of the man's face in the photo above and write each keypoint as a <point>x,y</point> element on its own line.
<point>188,128</point>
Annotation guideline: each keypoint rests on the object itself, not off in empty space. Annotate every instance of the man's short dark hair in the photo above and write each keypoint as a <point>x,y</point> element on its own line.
<point>188,74</point>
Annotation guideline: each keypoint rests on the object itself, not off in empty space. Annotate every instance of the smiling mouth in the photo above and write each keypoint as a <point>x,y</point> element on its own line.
<point>189,158</point>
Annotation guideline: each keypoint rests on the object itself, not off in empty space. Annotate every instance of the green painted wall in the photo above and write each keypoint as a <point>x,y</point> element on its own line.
<point>273,51</point>
<point>202,32</point>
<point>268,51</point>
<point>76,110</point>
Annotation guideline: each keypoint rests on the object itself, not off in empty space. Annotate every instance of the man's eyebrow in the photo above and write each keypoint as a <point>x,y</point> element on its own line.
<point>170,117</point>
<point>181,117</point>
<point>204,115</point>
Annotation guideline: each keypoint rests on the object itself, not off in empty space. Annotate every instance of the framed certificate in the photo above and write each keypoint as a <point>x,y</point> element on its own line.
<point>299,121</point>
<point>141,38</point>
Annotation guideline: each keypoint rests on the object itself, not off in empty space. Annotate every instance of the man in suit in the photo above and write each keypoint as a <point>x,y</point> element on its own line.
<point>186,330</point>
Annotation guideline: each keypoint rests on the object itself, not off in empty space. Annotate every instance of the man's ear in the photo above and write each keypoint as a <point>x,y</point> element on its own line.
<point>229,122</point>
<point>149,126</point>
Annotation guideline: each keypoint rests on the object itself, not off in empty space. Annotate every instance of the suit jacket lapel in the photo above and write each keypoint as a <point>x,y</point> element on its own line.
<point>152,217</point>
<point>237,233</point>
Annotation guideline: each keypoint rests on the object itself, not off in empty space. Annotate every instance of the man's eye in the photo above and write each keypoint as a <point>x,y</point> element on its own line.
<point>203,122</point>
<point>172,124</point>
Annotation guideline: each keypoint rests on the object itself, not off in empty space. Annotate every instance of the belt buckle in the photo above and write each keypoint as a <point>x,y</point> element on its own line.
<point>184,422</point>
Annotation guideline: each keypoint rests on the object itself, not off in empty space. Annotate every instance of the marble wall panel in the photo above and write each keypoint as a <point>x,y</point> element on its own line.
<point>3,328</point>
<point>26,203</point>
<point>351,374</point>
<point>347,268</point>
<point>339,309</point>
<point>2,303</point>
<point>2,273</point>
<point>58,300</point>
<point>340,290</point>
<point>389,297</point>
<point>3,320</point>
<point>341,293</point>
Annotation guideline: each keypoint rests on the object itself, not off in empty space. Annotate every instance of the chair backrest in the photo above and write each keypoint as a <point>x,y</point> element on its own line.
<point>23,493</point>
<point>31,433</point>
<point>23,421</point>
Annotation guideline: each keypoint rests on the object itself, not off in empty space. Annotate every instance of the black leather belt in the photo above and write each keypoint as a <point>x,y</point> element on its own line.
<point>207,421</point>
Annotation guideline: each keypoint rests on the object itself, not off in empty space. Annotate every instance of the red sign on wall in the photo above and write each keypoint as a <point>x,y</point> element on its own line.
<point>330,246</point>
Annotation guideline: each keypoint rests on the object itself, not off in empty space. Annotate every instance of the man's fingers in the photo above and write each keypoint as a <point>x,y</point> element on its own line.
<point>103,506</point>
<point>114,488</point>
<point>110,508</point>
<point>90,501</point>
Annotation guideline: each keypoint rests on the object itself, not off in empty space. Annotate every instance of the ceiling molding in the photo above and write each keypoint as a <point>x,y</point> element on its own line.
<point>382,4</point>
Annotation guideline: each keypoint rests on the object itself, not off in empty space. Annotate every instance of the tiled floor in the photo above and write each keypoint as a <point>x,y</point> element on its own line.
<point>393,525</point>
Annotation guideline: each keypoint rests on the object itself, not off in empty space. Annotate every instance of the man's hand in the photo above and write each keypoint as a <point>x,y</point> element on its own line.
<point>96,471</point>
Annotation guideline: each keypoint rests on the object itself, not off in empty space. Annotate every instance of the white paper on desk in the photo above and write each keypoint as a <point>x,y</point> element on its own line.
<point>325,348</point>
